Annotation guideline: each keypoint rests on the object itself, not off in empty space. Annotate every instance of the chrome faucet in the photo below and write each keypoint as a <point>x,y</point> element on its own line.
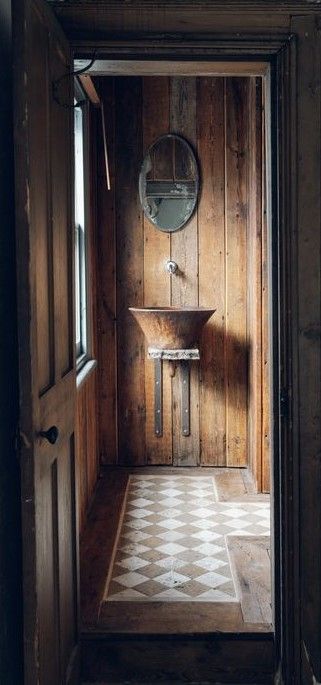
<point>171,267</point>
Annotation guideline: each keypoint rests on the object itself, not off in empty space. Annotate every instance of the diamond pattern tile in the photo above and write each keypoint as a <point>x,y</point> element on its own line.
<point>172,542</point>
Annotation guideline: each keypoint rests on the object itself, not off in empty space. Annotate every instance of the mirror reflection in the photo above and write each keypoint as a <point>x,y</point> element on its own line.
<point>168,183</point>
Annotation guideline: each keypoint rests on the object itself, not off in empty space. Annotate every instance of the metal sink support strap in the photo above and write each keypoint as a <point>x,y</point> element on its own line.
<point>184,357</point>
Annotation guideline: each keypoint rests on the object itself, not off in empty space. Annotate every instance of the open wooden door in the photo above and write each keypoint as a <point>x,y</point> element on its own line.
<point>44,235</point>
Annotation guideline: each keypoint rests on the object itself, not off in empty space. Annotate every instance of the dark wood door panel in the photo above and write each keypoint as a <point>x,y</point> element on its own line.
<point>47,370</point>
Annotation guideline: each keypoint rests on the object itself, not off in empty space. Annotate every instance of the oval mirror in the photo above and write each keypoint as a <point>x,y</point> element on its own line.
<point>168,183</point>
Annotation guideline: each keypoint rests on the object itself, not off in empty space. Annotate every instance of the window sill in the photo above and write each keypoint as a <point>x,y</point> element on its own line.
<point>85,371</point>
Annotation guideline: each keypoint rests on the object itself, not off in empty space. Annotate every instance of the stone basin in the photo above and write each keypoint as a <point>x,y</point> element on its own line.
<point>171,328</point>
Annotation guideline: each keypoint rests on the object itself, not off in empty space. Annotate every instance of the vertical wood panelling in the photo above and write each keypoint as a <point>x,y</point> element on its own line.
<point>236,215</point>
<point>157,290</point>
<point>254,285</point>
<point>63,305</point>
<point>184,284</point>
<point>219,256</point>
<point>40,167</point>
<point>86,432</point>
<point>130,271</point>
<point>266,369</point>
<point>106,262</point>
<point>211,228</point>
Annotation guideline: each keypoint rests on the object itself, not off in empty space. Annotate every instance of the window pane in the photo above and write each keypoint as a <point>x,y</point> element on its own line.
<point>80,236</point>
<point>79,169</point>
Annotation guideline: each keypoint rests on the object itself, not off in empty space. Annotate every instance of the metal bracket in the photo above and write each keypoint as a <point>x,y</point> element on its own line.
<point>185,397</point>
<point>158,397</point>
<point>184,357</point>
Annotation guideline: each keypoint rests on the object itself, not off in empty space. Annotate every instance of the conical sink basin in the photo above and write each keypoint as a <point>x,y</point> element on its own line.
<point>171,328</point>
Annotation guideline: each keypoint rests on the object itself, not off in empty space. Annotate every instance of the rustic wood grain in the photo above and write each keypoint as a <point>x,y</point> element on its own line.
<point>179,16</point>
<point>235,270</point>
<point>106,294</point>
<point>210,253</point>
<point>45,319</point>
<point>254,283</point>
<point>184,284</point>
<point>214,658</point>
<point>250,558</point>
<point>157,283</point>
<point>170,618</point>
<point>129,272</point>
<point>211,229</point>
<point>265,330</point>
<point>309,326</point>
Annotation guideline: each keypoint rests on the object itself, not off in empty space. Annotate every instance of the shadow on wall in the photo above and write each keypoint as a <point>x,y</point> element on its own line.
<point>227,369</point>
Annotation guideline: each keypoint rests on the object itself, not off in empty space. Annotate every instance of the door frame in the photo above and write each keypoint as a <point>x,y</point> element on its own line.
<point>280,53</point>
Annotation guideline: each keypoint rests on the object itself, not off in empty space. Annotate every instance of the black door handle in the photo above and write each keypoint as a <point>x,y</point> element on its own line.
<point>51,434</point>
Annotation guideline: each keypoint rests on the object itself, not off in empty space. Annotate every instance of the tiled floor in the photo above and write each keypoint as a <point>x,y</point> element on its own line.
<point>171,544</point>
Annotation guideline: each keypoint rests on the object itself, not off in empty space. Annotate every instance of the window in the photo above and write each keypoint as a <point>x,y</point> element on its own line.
<point>81,227</point>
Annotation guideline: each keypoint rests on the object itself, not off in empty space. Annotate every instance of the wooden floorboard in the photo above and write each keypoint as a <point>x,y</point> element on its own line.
<point>176,618</point>
<point>250,559</point>
<point>98,540</point>
<point>176,659</point>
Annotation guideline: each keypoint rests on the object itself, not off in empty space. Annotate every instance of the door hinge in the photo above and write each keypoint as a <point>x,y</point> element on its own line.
<point>284,403</point>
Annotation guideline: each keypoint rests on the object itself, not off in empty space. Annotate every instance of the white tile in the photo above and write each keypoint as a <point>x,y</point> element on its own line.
<point>234,513</point>
<point>137,524</point>
<point>210,522</point>
<point>202,512</point>
<point>140,502</point>
<point>170,502</point>
<point>168,512</point>
<point>170,524</point>
<point>170,492</point>
<point>210,563</point>
<point>130,579</point>
<point>172,579</point>
<point>206,535</point>
<point>208,549</point>
<point>139,513</point>
<point>134,549</point>
<point>237,523</point>
<point>201,494</point>
<point>171,535</point>
<point>143,484</point>
<point>133,563</point>
<point>135,535</point>
<point>212,579</point>
<point>206,524</point>
<point>171,548</point>
<point>264,513</point>
<point>170,563</point>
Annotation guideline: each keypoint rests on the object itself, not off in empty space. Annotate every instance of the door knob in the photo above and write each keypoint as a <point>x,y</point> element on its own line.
<point>51,434</point>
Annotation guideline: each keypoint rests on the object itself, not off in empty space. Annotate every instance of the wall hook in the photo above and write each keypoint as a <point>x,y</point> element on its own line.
<point>70,74</point>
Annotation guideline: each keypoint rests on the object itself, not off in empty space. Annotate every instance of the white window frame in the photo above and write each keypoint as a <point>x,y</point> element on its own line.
<point>83,344</point>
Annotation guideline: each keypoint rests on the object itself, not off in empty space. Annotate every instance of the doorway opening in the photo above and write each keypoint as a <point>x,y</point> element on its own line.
<point>176,535</point>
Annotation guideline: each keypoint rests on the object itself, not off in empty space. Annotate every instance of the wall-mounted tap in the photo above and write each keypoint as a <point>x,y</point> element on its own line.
<point>171,267</point>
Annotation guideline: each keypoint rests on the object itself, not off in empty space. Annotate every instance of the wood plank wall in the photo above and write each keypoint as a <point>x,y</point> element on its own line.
<point>219,254</point>
<point>86,431</point>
